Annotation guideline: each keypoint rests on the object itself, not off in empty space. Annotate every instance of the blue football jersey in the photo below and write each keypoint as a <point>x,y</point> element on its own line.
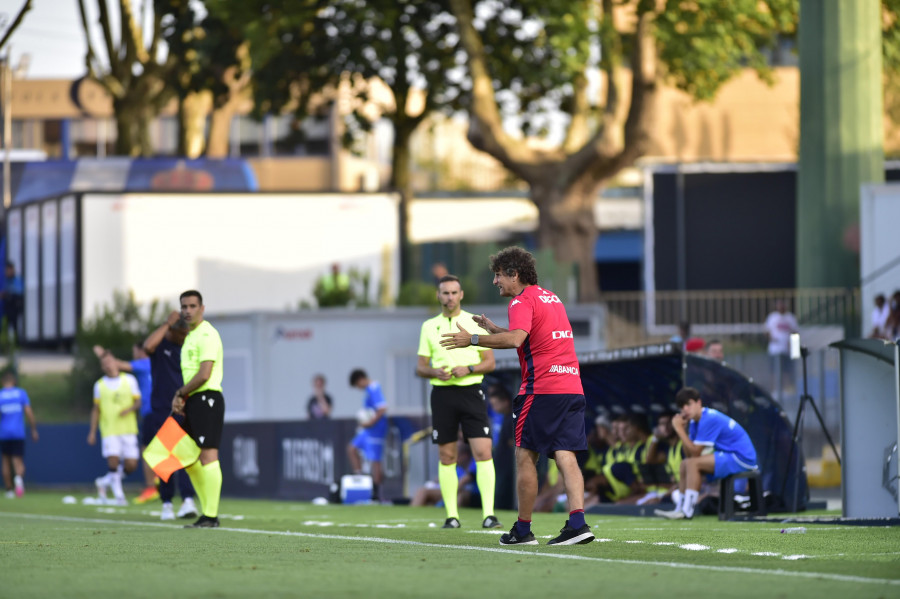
<point>717,430</point>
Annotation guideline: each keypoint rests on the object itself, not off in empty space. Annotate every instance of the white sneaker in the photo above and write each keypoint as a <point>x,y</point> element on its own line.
<point>120,501</point>
<point>102,486</point>
<point>671,515</point>
<point>10,494</point>
<point>168,513</point>
<point>187,509</point>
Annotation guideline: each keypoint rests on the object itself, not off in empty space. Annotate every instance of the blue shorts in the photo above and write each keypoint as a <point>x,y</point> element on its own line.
<point>12,447</point>
<point>728,463</point>
<point>372,447</point>
<point>545,423</point>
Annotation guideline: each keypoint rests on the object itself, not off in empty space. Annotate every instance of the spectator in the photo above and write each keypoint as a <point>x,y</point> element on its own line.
<point>684,332</point>
<point>780,324</point>
<point>369,441</point>
<point>713,444</point>
<point>438,272</point>
<point>880,314</point>
<point>319,405</point>
<point>333,289</point>
<point>892,325</point>
<point>715,350</point>
<point>15,408</point>
<point>12,294</point>
<point>694,345</point>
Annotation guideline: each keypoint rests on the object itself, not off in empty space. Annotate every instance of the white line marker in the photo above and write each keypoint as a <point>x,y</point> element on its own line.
<point>537,555</point>
<point>694,547</point>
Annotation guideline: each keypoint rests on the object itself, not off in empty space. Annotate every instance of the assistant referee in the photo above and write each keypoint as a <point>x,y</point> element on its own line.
<point>457,400</point>
<point>201,401</point>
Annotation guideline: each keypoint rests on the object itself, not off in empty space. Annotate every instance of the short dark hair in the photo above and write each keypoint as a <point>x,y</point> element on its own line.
<point>515,260</point>
<point>685,395</point>
<point>713,342</point>
<point>357,375</point>
<point>191,293</point>
<point>320,377</point>
<point>449,279</point>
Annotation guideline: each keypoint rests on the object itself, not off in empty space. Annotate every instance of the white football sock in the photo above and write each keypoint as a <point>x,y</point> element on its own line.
<point>115,482</point>
<point>690,500</point>
<point>677,499</point>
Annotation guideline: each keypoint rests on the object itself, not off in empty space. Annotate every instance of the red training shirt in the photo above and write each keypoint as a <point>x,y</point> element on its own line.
<point>549,363</point>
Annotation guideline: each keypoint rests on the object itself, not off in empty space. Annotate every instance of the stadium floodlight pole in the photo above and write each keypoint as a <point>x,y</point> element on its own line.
<point>803,352</point>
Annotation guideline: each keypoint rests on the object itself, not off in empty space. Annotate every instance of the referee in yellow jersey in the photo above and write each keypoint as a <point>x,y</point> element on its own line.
<point>457,400</point>
<point>200,400</point>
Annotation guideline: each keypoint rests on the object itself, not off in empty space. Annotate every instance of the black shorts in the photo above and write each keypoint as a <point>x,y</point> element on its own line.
<point>12,447</point>
<point>204,417</point>
<point>545,423</point>
<point>452,407</point>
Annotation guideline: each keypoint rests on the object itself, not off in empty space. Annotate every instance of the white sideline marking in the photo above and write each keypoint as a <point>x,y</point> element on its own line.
<point>605,560</point>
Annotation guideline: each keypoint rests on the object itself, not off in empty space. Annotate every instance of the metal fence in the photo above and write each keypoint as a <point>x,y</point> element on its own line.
<point>635,318</point>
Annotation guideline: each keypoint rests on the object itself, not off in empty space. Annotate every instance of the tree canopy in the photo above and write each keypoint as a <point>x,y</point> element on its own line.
<point>591,50</point>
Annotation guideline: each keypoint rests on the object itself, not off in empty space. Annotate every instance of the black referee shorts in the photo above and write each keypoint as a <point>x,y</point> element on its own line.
<point>453,407</point>
<point>204,417</point>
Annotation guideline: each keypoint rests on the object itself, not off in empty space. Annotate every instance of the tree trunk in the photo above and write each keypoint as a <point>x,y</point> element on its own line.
<point>218,145</point>
<point>132,128</point>
<point>566,225</point>
<point>192,112</point>
<point>401,182</point>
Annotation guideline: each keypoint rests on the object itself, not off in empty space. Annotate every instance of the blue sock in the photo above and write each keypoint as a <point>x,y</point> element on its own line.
<point>523,527</point>
<point>576,519</point>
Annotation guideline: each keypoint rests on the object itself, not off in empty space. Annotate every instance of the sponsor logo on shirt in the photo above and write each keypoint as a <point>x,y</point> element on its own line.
<point>564,369</point>
<point>550,299</point>
<point>562,334</point>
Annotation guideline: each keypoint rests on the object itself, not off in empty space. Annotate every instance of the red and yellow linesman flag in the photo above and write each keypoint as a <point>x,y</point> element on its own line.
<point>170,450</point>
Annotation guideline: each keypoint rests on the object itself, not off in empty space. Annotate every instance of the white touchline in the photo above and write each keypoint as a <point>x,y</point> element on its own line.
<point>604,560</point>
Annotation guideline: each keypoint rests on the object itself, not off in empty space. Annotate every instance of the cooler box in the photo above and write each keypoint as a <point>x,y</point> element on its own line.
<point>356,488</point>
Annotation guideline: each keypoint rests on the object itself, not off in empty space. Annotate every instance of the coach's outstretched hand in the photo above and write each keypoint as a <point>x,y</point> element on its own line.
<point>457,340</point>
<point>487,324</point>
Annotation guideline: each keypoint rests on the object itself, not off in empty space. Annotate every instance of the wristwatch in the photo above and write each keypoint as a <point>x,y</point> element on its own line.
<point>474,340</point>
<point>471,369</point>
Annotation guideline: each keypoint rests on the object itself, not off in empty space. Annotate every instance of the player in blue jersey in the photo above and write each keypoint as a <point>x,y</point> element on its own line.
<point>369,441</point>
<point>14,409</point>
<point>714,445</point>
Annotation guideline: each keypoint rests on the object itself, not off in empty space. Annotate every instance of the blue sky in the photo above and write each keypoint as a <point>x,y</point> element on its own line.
<point>50,35</point>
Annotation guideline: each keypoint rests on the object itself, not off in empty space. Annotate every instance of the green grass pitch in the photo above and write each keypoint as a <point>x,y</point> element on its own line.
<point>288,549</point>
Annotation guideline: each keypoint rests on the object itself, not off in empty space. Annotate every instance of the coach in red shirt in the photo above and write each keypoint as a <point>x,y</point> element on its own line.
<point>549,410</point>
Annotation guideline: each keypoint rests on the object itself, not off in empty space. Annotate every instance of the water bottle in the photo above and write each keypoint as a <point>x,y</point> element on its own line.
<point>794,531</point>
